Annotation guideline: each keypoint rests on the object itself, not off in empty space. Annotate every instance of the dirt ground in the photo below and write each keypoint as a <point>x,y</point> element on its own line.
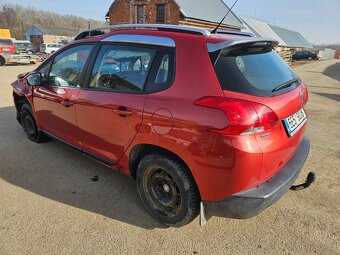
<point>49,205</point>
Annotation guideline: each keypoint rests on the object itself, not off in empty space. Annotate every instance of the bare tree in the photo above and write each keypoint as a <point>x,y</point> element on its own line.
<point>18,18</point>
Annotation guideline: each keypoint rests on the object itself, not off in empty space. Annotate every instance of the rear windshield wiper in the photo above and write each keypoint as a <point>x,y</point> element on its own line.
<point>286,84</point>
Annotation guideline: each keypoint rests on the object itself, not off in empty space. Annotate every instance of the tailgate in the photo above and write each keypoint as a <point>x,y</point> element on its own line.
<point>277,146</point>
<point>253,71</point>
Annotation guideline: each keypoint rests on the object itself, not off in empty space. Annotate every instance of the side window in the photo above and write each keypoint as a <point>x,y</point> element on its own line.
<point>68,66</point>
<point>121,68</point>
<point>44,72</point>
<point>163,72</point>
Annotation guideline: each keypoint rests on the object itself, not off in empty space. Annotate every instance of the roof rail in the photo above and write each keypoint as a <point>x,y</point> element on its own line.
<point>233,32</point>
<point>165,27</point>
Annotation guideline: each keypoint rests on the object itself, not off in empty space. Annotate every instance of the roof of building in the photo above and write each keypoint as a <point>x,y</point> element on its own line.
<point>284,36</point>
<point>292,38</point>
<point>61,31</point>
<point>209,10</point>
<point>261,29</point>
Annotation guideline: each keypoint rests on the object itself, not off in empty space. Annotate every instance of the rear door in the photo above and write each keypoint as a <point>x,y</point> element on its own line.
<point>110,108</point>
<point>54,101</point>
<point>256,73</point>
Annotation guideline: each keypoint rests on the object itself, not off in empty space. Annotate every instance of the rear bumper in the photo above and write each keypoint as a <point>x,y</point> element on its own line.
<point>250,203</point>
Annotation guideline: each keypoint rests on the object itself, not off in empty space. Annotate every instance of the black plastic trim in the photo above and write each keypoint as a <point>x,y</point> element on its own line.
<point>97,158</point>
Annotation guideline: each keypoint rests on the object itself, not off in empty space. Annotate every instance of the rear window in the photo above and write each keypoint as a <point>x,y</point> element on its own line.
<point>254,71</point>
<point>6,43</point>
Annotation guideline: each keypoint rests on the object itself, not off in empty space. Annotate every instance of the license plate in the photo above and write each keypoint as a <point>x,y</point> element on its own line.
<point>6,49</point>
<point>295,121</point>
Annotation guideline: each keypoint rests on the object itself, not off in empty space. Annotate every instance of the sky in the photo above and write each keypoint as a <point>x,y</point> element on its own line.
<point>317,20</point>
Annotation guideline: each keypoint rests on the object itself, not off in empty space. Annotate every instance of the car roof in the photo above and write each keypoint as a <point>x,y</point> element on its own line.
<point>166,35</point>
<point>157,29</point>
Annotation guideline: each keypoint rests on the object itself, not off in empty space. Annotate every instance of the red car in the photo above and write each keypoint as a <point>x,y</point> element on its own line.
<point>209,123</point>
<point>6,47</point>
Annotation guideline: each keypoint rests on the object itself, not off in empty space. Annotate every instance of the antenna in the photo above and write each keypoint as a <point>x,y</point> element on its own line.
<point>219,24</point>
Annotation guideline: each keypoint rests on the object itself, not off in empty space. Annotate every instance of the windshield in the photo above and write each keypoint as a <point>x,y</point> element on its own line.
<point>255,71</point>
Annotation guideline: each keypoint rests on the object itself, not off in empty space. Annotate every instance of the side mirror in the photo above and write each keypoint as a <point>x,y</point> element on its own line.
<point>34,79</point>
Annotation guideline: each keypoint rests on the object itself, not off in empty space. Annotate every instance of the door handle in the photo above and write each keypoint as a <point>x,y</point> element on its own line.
<point>122,111</point>
<point>66,102</point>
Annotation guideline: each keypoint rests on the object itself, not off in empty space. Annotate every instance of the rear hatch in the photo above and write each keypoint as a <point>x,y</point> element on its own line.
<point>254,72</point>
<point>7,46</point>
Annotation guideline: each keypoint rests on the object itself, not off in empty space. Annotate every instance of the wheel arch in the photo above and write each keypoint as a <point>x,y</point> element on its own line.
<point>19,101</point>
<point>141,150</point>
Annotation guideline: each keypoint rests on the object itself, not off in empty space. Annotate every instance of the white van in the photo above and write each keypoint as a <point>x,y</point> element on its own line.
<point>50,47</point>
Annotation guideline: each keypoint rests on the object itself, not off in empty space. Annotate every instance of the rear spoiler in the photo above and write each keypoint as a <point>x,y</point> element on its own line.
<point>212,47</point>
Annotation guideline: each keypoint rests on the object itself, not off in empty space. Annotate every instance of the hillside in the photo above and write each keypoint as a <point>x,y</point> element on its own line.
<point>18,18</point>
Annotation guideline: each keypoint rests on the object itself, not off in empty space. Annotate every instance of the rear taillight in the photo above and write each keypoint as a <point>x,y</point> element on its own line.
<point>244,117</point>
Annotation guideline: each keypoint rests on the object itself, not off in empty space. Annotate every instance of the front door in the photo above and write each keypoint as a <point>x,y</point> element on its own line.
<point>110,109</point>
<point>54,100</point>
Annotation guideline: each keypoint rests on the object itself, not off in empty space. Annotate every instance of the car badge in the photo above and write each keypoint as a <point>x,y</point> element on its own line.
<point>302,96</point>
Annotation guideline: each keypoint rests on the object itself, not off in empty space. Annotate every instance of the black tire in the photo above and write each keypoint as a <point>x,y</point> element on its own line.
<point>2,61</point>
<point>29,125</point>
<point>167,189</point>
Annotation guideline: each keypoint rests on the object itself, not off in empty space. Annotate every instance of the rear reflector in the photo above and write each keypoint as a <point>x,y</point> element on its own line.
<point>244,117</point>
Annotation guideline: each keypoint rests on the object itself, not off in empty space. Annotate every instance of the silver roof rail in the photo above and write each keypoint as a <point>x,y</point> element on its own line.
<point>185,29</point>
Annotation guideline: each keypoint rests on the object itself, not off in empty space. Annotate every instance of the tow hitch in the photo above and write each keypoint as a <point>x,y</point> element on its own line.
<point>309,180</point>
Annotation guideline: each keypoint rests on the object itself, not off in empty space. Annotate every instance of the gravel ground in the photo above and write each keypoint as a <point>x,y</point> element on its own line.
<point>50,205</point>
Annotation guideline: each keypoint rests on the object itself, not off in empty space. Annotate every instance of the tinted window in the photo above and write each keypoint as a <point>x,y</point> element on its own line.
<point>23,45</point>
<point>68,66</point>
<point>121,68</point>
<point>44,70</point>
<point>6,43</point>
<point>253,70</point>
<point>163,71</point>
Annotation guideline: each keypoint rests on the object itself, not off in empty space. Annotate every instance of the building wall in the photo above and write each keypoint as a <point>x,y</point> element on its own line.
<point>32,31</point>
<point>125,11</point>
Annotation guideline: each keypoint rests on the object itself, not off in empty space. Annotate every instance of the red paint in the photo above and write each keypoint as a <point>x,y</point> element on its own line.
<point>7,46</point>
<point>111,124</point>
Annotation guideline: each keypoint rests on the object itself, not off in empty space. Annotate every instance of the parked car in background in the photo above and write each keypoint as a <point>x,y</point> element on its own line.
<point>203,122</point>
<point>50,47</point>
<point>305,55</point>
<point>24,47</point>
<point>7,46</point>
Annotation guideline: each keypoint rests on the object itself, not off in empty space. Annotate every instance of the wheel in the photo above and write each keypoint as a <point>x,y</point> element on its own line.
<point>29,52</point>
<point>2,61</point>
<point>167,189</point>
<point>309,58</point>
<point>29,125</point>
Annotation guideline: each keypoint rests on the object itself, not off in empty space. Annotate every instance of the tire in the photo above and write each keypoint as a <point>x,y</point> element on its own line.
<point>29,125</point>
<point>167,190</point>
<point>310,58</point>
<point>2,61</point>
<point>29,52</point>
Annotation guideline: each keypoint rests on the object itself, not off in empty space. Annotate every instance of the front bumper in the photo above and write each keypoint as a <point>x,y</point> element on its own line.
<point>250,203</point>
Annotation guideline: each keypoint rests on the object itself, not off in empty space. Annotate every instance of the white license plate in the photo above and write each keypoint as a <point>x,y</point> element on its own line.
<point>295,121</point>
